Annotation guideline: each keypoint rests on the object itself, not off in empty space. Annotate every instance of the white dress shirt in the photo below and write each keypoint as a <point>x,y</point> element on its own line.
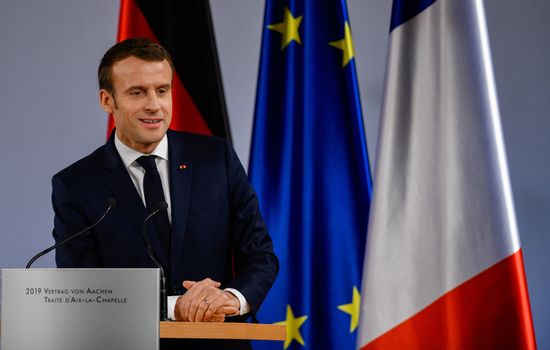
<point>137,174</point>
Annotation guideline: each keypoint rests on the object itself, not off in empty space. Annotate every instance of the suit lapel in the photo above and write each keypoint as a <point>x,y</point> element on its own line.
<point>127,196</point>
<point>181,175</point>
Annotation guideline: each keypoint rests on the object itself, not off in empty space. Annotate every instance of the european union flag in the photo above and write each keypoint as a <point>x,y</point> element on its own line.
<point>309,165</point>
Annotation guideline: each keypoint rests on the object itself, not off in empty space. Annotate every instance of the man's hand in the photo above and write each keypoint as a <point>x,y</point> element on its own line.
<point>205,302</point>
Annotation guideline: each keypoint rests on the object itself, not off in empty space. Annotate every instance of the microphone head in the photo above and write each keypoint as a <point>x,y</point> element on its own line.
<point>111,203</point>
<point>162,206</point>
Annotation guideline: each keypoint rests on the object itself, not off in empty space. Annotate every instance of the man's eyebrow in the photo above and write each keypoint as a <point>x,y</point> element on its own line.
<point>143,88</point>
<point>135,87</point>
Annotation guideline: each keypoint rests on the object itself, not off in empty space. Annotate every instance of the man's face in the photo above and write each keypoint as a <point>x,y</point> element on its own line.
<point>142,102</point>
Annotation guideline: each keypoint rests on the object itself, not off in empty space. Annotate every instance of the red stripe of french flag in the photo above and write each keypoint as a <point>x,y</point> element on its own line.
<point>489,311</point>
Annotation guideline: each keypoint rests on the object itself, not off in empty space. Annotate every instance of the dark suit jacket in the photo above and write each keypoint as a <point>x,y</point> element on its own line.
<point>217,229</point>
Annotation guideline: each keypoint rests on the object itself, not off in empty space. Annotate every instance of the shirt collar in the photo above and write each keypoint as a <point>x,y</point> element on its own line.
<point>129,155</point>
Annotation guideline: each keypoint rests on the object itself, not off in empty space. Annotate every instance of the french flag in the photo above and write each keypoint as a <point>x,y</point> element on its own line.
<point>443,266</point>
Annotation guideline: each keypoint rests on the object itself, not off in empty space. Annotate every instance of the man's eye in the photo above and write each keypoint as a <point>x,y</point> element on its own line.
<point>163,91</point>
<point>135,93</point>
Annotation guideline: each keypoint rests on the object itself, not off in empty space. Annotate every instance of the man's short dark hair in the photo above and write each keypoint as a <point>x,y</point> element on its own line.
<point>142,48</point>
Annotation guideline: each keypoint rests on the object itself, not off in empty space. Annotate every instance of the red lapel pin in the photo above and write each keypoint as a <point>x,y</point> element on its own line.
<point>182,166</point>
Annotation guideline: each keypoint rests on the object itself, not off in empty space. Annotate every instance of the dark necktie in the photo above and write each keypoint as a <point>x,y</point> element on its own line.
<point>152,186</point>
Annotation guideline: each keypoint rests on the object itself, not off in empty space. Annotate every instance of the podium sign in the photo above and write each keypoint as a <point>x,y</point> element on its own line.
<point>81,309</point>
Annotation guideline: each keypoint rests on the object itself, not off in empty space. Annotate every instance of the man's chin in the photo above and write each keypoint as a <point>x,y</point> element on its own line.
<point>153,134</point>
<point>148,142</point>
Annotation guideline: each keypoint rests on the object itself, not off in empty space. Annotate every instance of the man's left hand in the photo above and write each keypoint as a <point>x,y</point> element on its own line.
<point>205,302</point>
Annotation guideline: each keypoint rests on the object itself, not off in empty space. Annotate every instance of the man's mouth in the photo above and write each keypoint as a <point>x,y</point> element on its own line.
<point>151,121</point>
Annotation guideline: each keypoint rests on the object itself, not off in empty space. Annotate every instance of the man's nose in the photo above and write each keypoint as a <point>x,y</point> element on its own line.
<point>153,103</point>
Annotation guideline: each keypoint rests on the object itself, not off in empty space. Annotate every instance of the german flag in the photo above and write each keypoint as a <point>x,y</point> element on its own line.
<point>184,28</point>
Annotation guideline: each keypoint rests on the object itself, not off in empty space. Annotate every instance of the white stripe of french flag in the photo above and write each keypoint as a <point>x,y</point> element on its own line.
<point>443,265</point>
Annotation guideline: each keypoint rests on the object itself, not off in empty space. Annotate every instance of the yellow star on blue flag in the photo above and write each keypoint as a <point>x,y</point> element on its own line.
<point>293,325</point>
<point>345,44</point>
<point>353,309</point>
<point>288,28</point>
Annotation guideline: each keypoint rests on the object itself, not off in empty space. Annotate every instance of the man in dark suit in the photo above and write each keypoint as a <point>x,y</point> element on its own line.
<point>212,241</point>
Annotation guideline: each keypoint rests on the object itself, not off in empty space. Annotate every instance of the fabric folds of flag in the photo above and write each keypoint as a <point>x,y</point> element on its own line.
<point>443,266</point>
<point>309,166</point>
<point>185,29</point>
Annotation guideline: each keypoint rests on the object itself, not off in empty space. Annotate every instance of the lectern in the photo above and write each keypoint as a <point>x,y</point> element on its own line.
<point>99,309</point>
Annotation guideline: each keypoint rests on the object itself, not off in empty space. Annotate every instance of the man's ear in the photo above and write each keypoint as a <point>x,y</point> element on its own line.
<point>107,101</point>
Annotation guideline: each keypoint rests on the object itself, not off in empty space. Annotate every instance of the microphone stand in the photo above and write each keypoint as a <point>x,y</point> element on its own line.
<point>110,204</point>
<point>163,307</point>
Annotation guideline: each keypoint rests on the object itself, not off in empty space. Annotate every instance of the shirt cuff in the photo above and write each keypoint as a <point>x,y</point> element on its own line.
<point>171,306</point>
<point>244,307</point>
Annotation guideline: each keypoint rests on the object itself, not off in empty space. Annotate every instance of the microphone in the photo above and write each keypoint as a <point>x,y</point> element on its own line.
<point>163,307</point>
<point>109,204</point>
